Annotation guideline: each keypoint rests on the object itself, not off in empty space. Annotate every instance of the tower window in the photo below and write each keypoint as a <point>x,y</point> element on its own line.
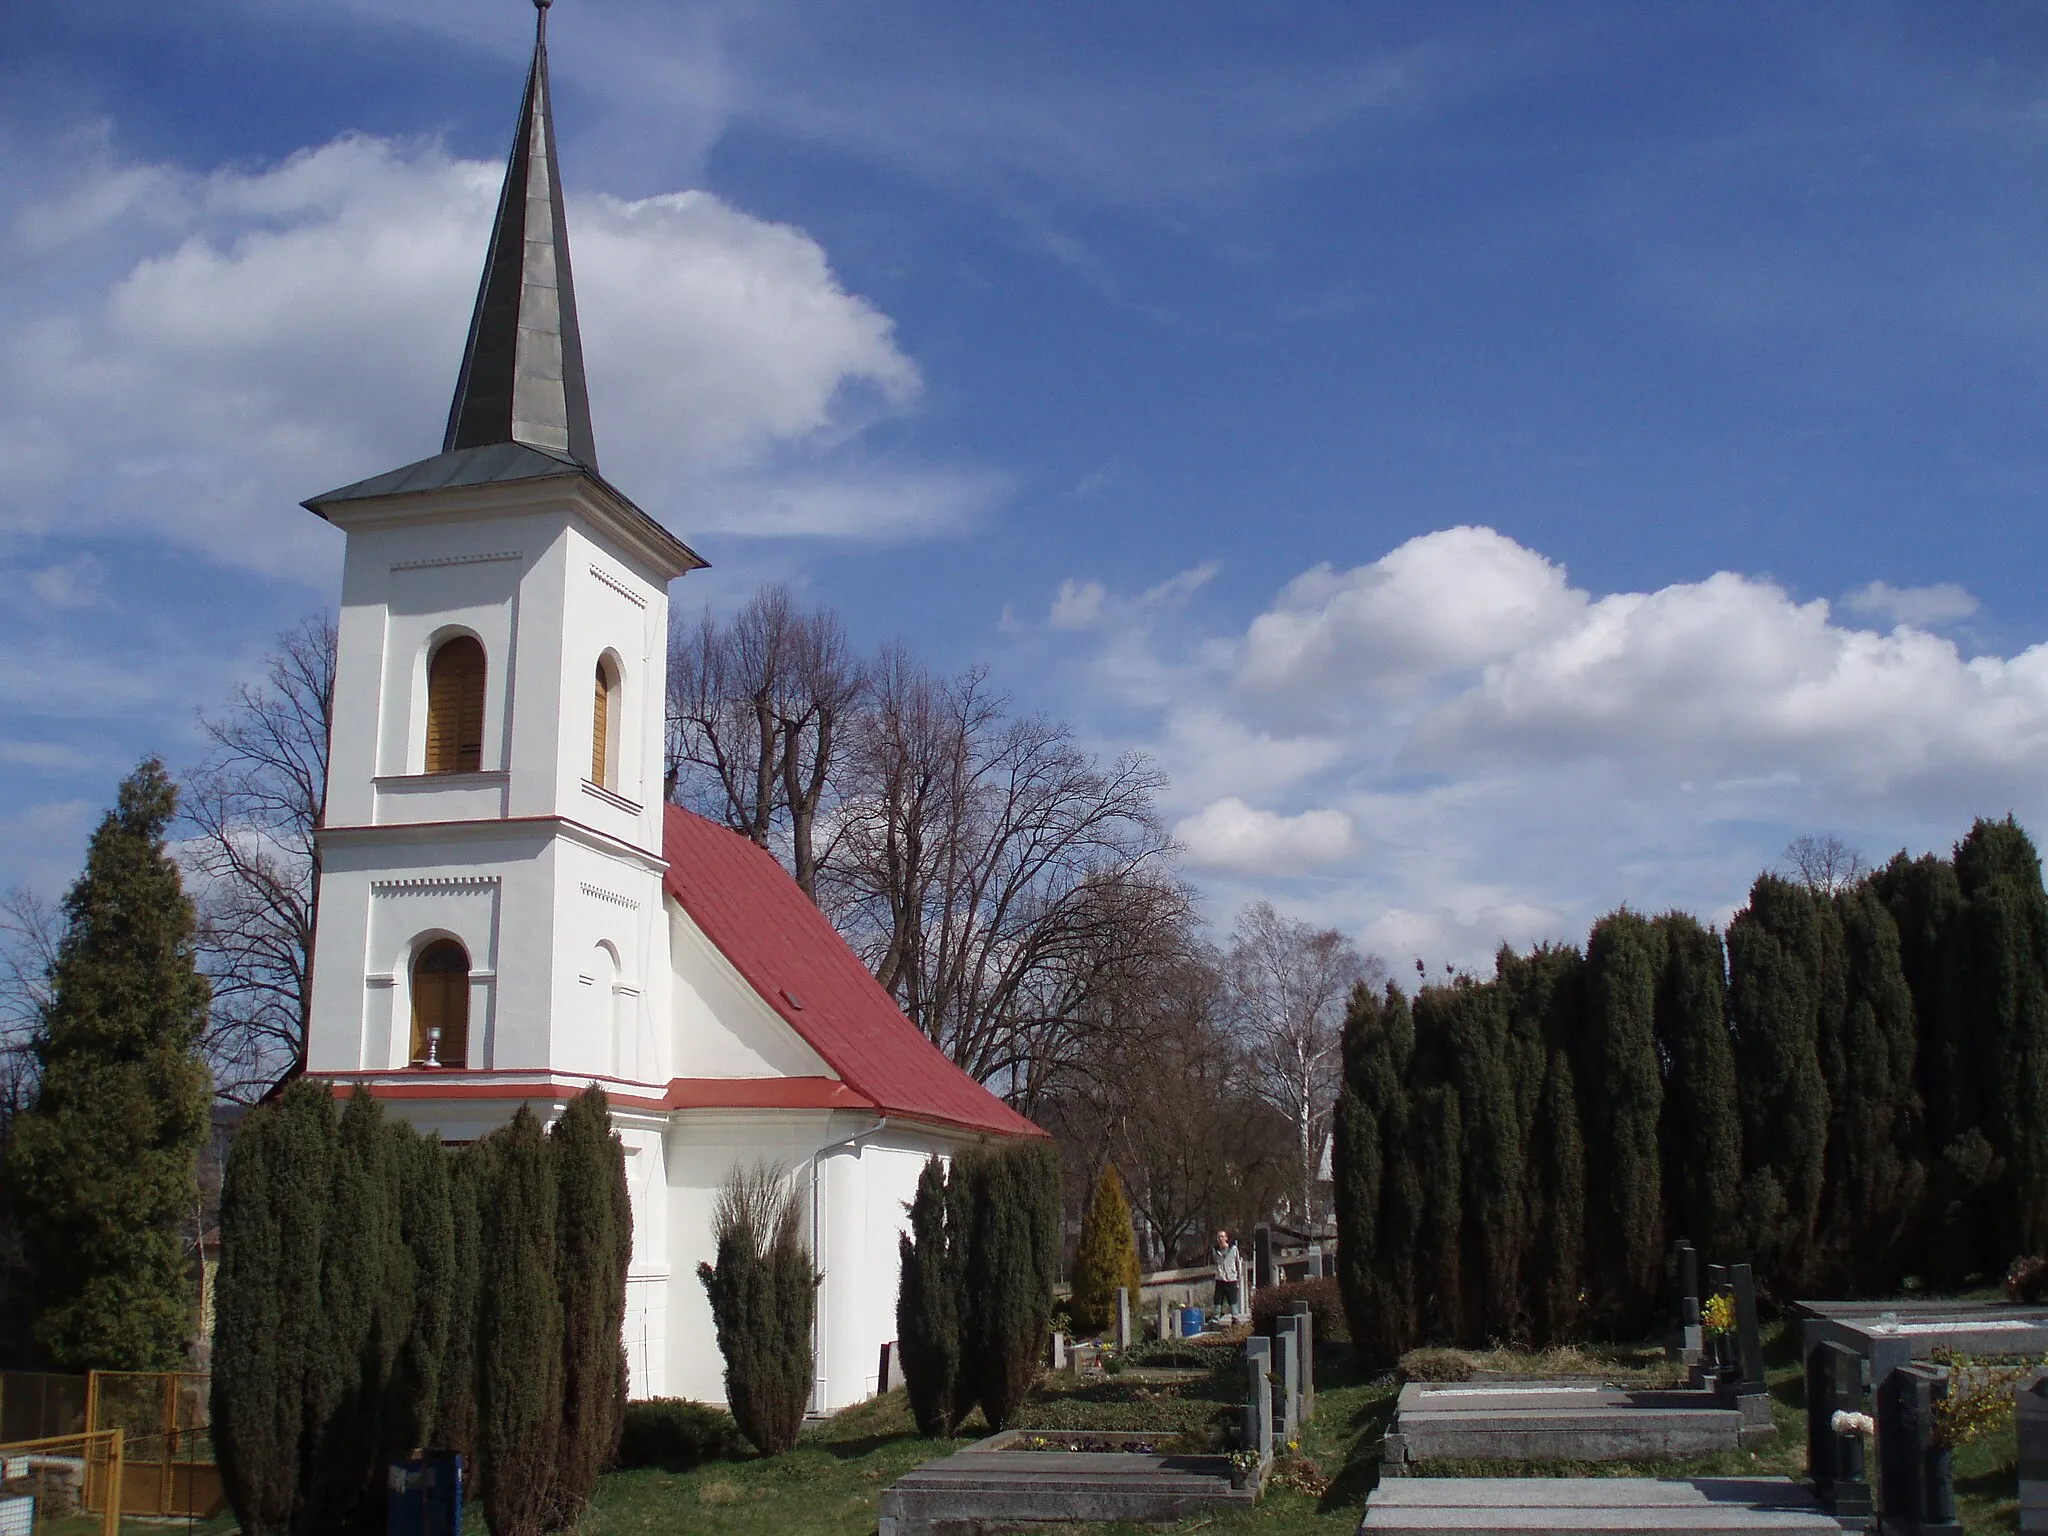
<point>455,707</point>
<point>603,722</point>
<point>440,1001</point>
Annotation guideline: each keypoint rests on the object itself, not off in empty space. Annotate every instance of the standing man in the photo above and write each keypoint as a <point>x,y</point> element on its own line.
<point>1229,1276</point>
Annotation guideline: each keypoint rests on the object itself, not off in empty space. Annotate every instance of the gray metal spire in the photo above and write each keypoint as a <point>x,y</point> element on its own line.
<point>522,373</point>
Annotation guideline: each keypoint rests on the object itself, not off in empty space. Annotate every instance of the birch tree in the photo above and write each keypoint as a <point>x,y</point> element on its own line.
<point>1287,987</point>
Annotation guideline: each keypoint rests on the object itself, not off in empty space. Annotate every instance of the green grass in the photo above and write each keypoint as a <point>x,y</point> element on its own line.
<point>832,1483</point>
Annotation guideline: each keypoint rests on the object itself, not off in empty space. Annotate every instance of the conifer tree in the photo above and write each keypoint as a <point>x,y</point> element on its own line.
<point>763,1290</point>
<point>1546,995</point>
<point>596,1247</point>
<point>1621,1099</point>
<point>1876,1170</point>
<point>427,1230</point>
<point>1105,1258</point>
<point>1490,1066</point>
<point>1377,1202</point>
<point>1012,1262</point>
<point>1436,1133</point>
<point>1926,903</point>
<point>1701,1136</point>
<point>273,1217</point>
<point>2005,972</point>
<point>1776,953</point>
<point>470,1174</point>
<point>365,1310</point>
<point>519,1331</point>
<point>929,1304</point>
<point>103,1167</point>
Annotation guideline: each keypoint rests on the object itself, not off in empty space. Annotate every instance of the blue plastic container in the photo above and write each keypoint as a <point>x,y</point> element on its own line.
<point>1190,1321</point>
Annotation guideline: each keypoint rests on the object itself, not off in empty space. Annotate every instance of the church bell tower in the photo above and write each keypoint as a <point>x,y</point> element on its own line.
<point>490,895</point>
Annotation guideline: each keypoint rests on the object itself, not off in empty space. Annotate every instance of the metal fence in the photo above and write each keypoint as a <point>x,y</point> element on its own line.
<point>162,1416</point>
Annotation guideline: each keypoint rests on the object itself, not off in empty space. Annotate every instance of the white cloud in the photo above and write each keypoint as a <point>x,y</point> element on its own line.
<point>241,339</point>
<point>1078,604</point>
<point>1232,835</point>
<point>1921,607</point>
<point>1513,755</point>
<point>73,583</point>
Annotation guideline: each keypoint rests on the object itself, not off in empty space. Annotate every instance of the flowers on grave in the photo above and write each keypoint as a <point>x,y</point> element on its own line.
<point>1846,1423</point>
<point>1718,1315</point>
<point>1980,1396</point>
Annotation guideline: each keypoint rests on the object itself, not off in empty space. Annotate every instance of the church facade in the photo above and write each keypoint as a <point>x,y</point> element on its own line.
<point>508,912</point>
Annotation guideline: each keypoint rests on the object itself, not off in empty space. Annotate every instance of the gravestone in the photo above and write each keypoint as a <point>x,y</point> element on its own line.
<point>1123,1317</point>
<point>1315,1261</point>
<point>1688,1340</point>
<point>1287,1366</point>
<point>1263,1273</point>
<point>1916,1488</point>
<point>1305,1331</point>
<point>1258,1408</point>
<point>1169,1320</point>
<point>890,1374</point>
<point>1059,1350</point>
<point>1748,1338</point>
<point>1835,1461</point>
<point>2031,1420</point>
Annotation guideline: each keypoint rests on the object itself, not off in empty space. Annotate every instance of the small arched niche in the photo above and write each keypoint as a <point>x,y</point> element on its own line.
<point>455,706</point>
<point>440,1005</point>
<point>604,724</point>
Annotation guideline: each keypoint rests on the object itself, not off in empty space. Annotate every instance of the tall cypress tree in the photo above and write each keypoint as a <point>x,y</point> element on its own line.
<point>519,1331</point>
<point>1490,1066</point>
<point>273,1216</point>
<point>1701,1134</point>
<point>471,1172</point>
<point>929,1302</point>
<point>1876,1171</point>
<point>1621,1099</point>
<point>762,1291</point>
<point>1436,1135</point>
<point>1776,953</point>
<point>103,1168</point>
<point>1926,902</point>
<point>1378,1203</point>
<point>365,1307</point>
<point>1012,1261</point>
<point>1546,991</point>
<point>426,1228</point>
<point>1105,1258</point>
<point>2005,947</point>
<point>596,1247</point>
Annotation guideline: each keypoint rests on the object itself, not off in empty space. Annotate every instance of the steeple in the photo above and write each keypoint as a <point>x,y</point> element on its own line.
<point>522,372</point>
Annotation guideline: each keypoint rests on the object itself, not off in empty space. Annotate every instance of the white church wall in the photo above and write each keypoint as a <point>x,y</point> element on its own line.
<point>721,1026</point>
<point>608,943</point>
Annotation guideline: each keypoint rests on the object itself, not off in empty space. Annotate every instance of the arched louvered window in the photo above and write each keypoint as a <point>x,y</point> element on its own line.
<point>440,1001</point>
<point>455,707</point>
<point>603,723</point>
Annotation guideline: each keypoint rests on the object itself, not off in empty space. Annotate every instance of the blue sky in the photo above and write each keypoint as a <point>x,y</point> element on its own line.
<point>1502,460</point>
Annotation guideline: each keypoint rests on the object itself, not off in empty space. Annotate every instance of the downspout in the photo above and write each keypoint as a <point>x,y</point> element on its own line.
<point>817,1309</point>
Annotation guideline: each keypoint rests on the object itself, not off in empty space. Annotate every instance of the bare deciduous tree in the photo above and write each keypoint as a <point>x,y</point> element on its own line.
<point>1825,863</point>
<point>755,709</point>
<point>1287,986</point>
<point>992,871</point>
<point>255,806</point>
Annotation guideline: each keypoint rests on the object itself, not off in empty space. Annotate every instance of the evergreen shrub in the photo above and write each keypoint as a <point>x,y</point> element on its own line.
<point>763,1293</point>
<point>1324,1300</point>
<point>928,1305</point>
<point>673,1434</point>
<point>1105,1258</point>
<point>1012,1194</point>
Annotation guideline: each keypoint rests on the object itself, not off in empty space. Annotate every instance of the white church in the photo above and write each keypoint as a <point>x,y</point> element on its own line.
<point>508,910</point>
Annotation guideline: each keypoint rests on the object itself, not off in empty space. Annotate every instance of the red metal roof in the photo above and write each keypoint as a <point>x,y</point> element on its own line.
<point>791,955</point>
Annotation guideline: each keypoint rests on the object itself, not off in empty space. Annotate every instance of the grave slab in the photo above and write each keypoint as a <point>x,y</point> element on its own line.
<point>1551,1421</point>
<point>1617,1506</point>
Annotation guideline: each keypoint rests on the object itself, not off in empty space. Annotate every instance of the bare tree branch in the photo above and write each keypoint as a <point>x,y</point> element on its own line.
<point>1287,985</point>
<point>255,806</point>
<point>1825,863</point>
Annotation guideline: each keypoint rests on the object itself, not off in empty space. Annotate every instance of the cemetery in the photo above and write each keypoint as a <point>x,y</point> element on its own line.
<point>610,1189</point>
